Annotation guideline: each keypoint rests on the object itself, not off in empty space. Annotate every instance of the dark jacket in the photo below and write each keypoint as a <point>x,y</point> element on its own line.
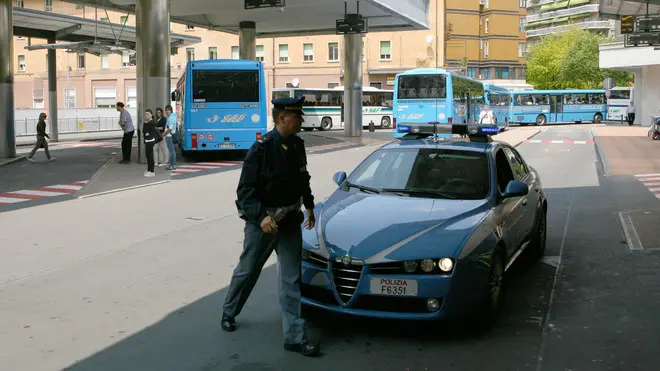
<point>150,132</point>
<point>161,124</point>
<point>41,129</point>
<point>274,175</point>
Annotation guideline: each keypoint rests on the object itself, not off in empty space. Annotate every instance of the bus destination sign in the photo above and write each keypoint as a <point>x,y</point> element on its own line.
<point>642,39</point>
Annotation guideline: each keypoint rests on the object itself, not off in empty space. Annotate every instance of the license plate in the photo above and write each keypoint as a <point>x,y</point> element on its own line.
<point>228,145</point>
<point>393,287</point>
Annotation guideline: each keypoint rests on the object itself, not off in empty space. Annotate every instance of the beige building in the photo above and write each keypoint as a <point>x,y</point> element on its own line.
<point>89,81</point>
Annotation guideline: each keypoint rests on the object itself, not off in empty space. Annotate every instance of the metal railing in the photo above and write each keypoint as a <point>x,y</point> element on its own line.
<point>591,8</point>
<point>26,127</point>
<point>541,2</point>
<point>583,25</point>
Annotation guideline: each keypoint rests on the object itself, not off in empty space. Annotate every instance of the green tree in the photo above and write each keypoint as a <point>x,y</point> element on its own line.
<point>569,59</point>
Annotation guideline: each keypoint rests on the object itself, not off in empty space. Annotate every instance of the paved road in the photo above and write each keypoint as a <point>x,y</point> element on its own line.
<point>111,291</point>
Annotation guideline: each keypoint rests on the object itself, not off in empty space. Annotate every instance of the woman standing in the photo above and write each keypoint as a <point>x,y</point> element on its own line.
<point>161,153</point>
<point>151,137</point>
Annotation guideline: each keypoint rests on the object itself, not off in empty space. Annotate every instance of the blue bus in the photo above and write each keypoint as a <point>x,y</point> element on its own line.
<point>540,107</point>
<point>498,99</point>
<point>427,96</point>
<point>221,105</point>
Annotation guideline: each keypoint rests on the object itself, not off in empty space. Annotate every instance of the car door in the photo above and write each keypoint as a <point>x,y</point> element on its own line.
<point>508,212</point>
<point>529,205</point>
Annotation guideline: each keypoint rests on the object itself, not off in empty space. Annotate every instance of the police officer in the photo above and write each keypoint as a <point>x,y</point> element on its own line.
<point>274,184</point>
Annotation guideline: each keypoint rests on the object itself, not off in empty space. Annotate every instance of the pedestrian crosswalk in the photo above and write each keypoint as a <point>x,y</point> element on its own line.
<point>38,193</point>
<point>651,182</point>
<point>203,166</point>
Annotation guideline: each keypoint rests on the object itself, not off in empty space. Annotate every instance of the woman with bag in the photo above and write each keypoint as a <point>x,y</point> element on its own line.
<point>151,137</point>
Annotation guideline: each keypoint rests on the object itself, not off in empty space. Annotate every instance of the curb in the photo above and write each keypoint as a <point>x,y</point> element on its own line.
<point>96,175</point>
<point>599,153</point>
<point>529,137</point>
<point>123,189</point>
<point>14,160</point>
<point>632,238</point>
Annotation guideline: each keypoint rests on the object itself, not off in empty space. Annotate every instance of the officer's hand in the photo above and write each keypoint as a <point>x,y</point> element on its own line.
<point>311,219</point>
<point>268,225</point>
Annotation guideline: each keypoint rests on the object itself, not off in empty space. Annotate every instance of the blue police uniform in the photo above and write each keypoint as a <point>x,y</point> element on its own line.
<point>274,181</point>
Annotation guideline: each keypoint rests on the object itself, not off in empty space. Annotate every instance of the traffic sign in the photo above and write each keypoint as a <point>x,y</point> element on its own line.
<point>627,24</point>
<point>351,25</point>
<point>642,39</point>
<point>648,23</point>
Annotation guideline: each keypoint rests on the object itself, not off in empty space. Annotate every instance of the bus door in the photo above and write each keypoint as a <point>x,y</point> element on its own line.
<point>556,108</point>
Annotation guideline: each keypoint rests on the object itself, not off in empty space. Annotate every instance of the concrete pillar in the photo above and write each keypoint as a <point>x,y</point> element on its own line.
<point>153,59</point>
<point>637,99</point>
<point>247,40</point>
<point>52,93</point>
<point>353,85</point>
<point>7,134</point>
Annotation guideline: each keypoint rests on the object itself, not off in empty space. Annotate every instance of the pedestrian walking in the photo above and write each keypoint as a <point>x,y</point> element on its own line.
<point>126,123</point>
<point>41,139</point>
<point>151,138</point>
<point>273,186</point>
<point>486,116</point>
<point>630,110</point>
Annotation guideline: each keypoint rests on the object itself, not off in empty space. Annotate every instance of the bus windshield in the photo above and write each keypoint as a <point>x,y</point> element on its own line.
<point>217,86</point>
<point>422,87</point>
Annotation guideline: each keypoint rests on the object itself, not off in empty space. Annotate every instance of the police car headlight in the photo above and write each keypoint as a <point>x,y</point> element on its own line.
<point>409,266</point>
<point>427,265</point>
<point>445,264</point>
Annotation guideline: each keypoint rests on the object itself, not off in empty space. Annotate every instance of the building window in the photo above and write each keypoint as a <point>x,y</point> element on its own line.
<point>260,53</point>
<point>123,19</point>
<point>486,25</point>
<point>377,85</point>
<point>20,4</point>
<point>521,50</point>
<point>69,98</point>
<point>38,99</point>
<point>80,6</point>
<point>105,97</point>
<point>522,25</point>
<point>472,72</point>
<point>486,4</point>
<point>502,73</point>
<point>523,3</point>
<point>21,63</point>
<point>190,27</point>
<point>333,52</point>
<point>190,54</point>
<point>131,96</point>
<point>105,60</point>
<point>284,53</point>
<point>385,51</point>
<point>234,52</point>
<point>213,52</point>
<point>332,85</point>
<point>486,48</point>
<point>81,60</point>
<point>308,52</point>
<point>48,5</point>
<point>485,73</point>
<point>126,59</point>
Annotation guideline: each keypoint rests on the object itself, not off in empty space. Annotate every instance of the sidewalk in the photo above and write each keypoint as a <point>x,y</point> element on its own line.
<point>516,135</point>
<point>84,136</point>
<point>627,150</point>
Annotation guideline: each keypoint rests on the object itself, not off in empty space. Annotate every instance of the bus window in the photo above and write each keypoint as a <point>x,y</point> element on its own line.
<point>319,98</point>
<point>280,94</point>
<point>619,94</point>
<point>422,87</point>
<point>213,86</point>
<point>542,100</point>
<point>596,98</point>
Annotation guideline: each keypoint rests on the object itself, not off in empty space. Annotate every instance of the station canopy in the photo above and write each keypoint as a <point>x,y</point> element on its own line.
<point>82,34</point>
<point>620,8</point>
<point>295,18</point>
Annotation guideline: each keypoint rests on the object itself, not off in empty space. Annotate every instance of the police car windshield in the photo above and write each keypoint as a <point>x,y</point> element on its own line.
<point>426,172</point>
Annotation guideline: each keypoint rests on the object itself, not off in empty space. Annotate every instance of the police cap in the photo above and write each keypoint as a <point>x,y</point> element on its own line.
<point>294,105</point>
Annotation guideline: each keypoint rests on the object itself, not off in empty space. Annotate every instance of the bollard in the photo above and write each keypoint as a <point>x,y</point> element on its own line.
<point>372,126</point>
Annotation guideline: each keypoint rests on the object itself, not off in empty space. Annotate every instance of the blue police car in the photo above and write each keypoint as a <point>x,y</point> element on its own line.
<point>425,228</point>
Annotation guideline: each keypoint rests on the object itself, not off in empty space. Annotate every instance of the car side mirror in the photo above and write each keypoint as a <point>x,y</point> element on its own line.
<point>515,188</point>
<point>339,177</point>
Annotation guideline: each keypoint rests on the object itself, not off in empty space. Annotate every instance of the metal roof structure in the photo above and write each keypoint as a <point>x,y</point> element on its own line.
<point>85,34</point>
<point>619,8</point>
<point>296,18</point>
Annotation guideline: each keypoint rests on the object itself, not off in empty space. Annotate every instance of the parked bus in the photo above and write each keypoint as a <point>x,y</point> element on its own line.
<point>221,105</point>
<point>425,98</point>
<point>618,100</point>
<point>324,106</point>
<point>540,107</point>
<point>499,100</point>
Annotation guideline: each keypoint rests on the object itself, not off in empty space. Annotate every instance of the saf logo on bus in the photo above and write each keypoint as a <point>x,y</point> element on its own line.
<point>233,118</point>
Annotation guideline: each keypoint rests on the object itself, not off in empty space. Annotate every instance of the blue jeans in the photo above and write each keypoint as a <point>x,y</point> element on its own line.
<point>170,147</point>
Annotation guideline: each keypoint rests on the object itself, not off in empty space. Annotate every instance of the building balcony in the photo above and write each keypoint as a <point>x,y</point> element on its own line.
<point>589,25</point>
<point>591,8</point>
<point>552,3</point>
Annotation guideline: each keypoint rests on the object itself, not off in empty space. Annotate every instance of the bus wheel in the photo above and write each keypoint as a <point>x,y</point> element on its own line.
<point>598,118</point>
<point>385,122</point>
<point>326,123</point>
<point>541,120</point>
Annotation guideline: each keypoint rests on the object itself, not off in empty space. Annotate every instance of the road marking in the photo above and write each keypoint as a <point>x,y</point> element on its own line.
<point>203,166</point>
<point>651,182</point>
<point>38,193</point>
<point>549,141</point>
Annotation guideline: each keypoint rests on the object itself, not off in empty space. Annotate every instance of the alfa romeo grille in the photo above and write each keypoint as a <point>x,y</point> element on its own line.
<point>346,279</point>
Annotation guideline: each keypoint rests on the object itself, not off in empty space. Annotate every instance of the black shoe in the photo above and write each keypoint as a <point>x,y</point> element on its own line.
<point>306,349</point>
<point>228,324</point>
